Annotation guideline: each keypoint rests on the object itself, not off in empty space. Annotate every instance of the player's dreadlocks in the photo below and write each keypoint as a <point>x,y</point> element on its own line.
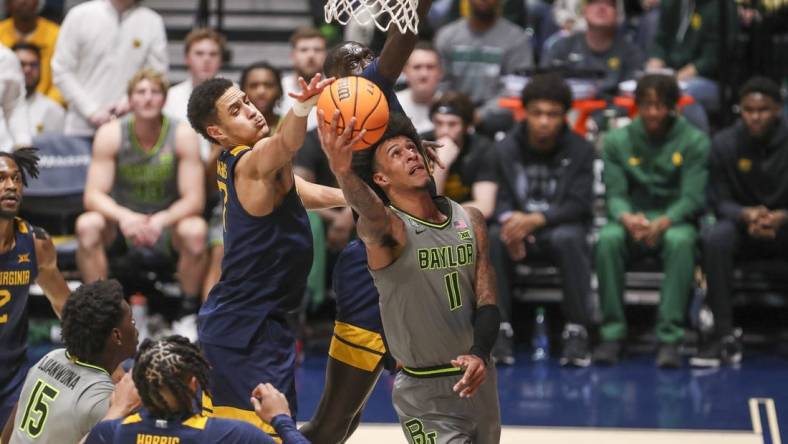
<point>167,365</point>
<point>27,161</point>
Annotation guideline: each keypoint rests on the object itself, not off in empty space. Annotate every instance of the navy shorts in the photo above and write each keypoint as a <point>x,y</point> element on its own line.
<point>235,372</point>
<point>358,332</point>
<point>9,393</point>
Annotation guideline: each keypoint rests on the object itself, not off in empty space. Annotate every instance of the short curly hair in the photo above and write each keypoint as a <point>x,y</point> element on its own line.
<point>201,109</point>
<point>550,87</point>
<point>89,315</point>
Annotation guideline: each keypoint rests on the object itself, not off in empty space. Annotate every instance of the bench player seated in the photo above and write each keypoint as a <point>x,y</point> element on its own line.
<point>171,374</point>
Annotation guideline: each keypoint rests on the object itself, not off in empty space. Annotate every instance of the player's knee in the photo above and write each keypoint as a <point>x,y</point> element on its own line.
<point>89,227</point>
<point>679,239</point>
<point>611,237</point>
<point>192,233</point>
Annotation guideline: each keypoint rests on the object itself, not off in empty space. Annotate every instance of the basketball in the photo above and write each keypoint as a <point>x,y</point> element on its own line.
<point>356,97</point>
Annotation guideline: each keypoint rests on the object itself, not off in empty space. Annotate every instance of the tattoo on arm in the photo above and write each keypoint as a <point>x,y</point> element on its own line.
<point>374,223</point>
<point>486,293</point>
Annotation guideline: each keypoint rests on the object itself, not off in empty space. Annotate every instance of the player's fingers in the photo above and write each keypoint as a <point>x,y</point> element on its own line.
<point>358,137</point>
<point>347,132</point>
<point>256,404</point>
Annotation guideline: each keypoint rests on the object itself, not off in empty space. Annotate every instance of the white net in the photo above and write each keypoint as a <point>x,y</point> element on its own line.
<point>384,13</point>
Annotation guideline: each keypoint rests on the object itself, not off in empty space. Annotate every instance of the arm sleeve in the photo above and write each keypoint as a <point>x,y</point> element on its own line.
<point>64,66</point>
<point>286,428</point>
<point>576,204</point>
<point>694,175</point>
<point>615,180</point>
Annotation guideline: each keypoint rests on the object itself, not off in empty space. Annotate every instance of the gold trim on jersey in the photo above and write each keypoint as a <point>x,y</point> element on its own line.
<point>356,346</point>
<point>132,419</point>
<point>197,421</point>
<point>249,416</point>
<point>238,150</point>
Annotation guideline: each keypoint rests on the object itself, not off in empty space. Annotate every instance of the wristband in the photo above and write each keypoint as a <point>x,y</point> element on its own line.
<point>302,109</point>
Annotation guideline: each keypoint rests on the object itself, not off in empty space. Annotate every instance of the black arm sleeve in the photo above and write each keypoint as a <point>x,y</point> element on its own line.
<point>485,331</point>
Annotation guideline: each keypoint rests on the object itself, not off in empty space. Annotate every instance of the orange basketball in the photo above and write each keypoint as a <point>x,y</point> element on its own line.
<point>356,96</point>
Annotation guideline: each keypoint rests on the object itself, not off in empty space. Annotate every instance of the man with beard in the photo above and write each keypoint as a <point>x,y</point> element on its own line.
<point>749,191</point>
<point>307,54</point>
<point>27,255</point>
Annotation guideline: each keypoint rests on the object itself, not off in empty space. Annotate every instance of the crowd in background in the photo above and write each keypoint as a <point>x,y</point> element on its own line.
<point>98,80</point>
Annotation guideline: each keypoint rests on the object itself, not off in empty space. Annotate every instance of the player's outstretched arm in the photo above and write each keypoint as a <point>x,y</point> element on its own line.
<point>49,278</point>
<point>382,232</point>
<point>487,318</point>
<point>271,406</point>
<point>270,154</point>
<point>398,46</point>
<point>319,197</point>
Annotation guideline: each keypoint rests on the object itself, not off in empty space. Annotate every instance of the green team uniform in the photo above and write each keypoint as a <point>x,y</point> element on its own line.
<point>664,178</point>
<point>427,304</point>
<point>62,399</point>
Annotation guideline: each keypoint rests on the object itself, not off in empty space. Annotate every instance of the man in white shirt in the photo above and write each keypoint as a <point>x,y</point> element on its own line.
<point>13,109</point>
<point>44,115</point>
<point>203,49</point>
<point>102,44</point>
<point>308,52</point>
<point>423,73</point>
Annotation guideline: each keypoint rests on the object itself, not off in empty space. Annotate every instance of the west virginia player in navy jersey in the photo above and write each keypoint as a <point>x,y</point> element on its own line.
<point>357,354</point>
<point>169,374</point>
<point>242,325</point>
<point>27,255</point>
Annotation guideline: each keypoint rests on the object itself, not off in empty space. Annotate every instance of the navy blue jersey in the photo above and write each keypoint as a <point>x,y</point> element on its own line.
<point>265,265</point>
<point>386,87</point>
<point>143,428</point>
<point>357,297</point>
<point>18,269</point>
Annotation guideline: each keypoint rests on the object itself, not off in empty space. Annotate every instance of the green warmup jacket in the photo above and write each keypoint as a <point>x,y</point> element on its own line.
<point>656,177</point>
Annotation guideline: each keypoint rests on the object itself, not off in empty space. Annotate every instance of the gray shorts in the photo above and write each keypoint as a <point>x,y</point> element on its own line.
<point>430,412</point>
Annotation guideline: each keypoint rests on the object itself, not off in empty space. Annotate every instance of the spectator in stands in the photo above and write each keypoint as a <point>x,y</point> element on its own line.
<point>102,44</point>
<point>145,189</point>
<point>655,179</point>
<point>749,190</point>
<point>44,115</point>
<point>307,54</point>
<point>423,73</point>
<point>476,51</point>
<point>14,128</point>
<point>544,208</point>
<point>469,177</point>
<point>601,47</point>
<point>688,41</point>
<point>25,25</point>
<point>203,51</point>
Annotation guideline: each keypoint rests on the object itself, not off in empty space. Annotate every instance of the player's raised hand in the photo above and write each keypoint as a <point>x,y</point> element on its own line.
<point>269,402</point>
<point>475,374</point>
<point>431,151</point>
<point>311,89</point>
<point>338,146</point>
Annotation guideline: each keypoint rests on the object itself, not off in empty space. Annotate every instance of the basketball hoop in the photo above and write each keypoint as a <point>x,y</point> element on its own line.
<point>383,13</point>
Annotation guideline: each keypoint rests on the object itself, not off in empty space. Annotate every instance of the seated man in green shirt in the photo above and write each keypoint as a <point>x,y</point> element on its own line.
<point>655,178</point>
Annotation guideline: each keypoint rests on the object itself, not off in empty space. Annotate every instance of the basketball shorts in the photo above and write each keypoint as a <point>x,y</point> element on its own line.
<point>235,372</point>
<point>430,412</point>
<point>9,392</point>
<point>358,338</point>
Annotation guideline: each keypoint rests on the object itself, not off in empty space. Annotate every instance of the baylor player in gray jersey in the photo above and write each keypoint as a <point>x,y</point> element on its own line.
<point>70,390</point>
<point>428,257</point>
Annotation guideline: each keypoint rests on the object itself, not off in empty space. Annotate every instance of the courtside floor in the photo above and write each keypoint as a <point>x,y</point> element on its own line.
<point>631,403</point>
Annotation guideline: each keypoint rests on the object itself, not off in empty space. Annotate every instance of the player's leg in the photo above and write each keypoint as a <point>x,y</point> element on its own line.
<point>94,234</point>
<point>189,240</point>
<point>430,412</point>
<point>269,357</point>
<point>347,389</point>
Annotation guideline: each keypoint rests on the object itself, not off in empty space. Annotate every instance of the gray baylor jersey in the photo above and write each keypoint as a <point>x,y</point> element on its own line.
<point>62,399</point>
<point>427,296</point>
